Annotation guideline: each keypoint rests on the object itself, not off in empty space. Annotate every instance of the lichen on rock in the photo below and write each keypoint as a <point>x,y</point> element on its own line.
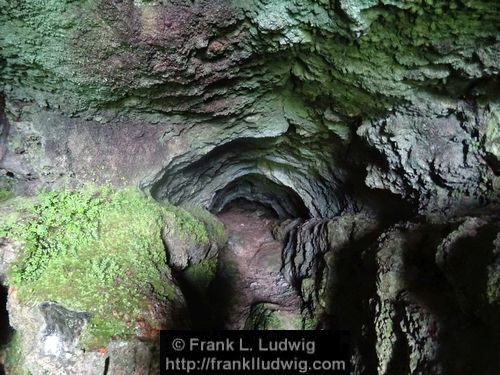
<point>98,255</point>
<point>369,128</point>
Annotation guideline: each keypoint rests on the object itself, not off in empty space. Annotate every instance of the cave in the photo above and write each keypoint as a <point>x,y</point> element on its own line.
<point>307,165</point>
<point>282,200</point>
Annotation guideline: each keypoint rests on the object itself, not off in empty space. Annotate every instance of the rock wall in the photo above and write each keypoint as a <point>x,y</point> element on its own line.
<point>419,298</point>
<point>201,94</point>
<point>372,127</point>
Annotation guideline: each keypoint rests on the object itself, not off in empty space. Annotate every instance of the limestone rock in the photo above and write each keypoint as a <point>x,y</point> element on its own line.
<point>434,161</point>
<point>7,257</point>
<point>50,336</point>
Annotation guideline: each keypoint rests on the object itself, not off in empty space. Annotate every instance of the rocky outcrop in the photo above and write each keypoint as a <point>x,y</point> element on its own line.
<point>370,127</point>
<point>49,344</point>
<point>431,299</point>
<point>420,305</point>
<point>436,157</point>
<point>93,319</point>
<point>308,242</point>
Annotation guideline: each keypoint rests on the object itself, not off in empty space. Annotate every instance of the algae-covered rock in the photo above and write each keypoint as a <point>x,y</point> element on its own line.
<point>266,316</point>
<point>99,257</point>
<point>192,237</point>
<point>370,127</point>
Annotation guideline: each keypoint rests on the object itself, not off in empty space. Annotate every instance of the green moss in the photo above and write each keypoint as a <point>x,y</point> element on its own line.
<point>4,194</point>
<point>188,225</point>
<point>201,274</point>
<point>308,323</point>
<point>365,62</point>
<point>98,251</point>
<point>307,287</point>
<point>11,357</point>
<point>303,322</point>
<point>214,228</point>
<point>263,317</point>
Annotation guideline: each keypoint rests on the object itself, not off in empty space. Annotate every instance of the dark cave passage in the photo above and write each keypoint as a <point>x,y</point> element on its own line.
<point>5,329</point>
<point>282,200</point>
<point>248,270</point>
<point>250,206</point>
<point>252,261</point>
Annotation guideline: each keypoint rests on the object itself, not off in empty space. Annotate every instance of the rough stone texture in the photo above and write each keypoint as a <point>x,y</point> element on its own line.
<point>51,150</point>
<point>49,338</point>
<point>491,137</point>
<point>431,298</point>
<point>250,268</point>
<point>201,94</point>
<point>7,257</point>
<point>183,250</point>
<point>307,242</point>
<point>50,335</point>
<point>426,295</point>
<point>435,157</point>
<point>60,332</point>
<point>319,109</point>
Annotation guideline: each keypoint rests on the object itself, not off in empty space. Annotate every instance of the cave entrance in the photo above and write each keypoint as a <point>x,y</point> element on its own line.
<point>249,268</point>
<point>281,199</point>
<point>252,261</point>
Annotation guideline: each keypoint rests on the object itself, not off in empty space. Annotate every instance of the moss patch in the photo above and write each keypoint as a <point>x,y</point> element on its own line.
<point>88,250</point>
<point>263,317</point>
<point>304,322</point>
<point>10,357</point>
<point>214,228</point>
<point>188,225</point>
<point>201,274</point>
<point>4,194</point>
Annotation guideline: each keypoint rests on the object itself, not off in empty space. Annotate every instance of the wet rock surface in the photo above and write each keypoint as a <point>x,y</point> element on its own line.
<point>252,262</point>
<point>437,161</point>
<point>368,129</point>
<point>49,343</point>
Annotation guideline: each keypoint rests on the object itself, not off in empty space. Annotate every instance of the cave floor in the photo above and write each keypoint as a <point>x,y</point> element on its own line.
<point>255,255</point>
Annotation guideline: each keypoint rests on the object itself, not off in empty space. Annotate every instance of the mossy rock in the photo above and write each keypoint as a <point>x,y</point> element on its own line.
<point>267,316</point>
<point>4,194</point>
<point>191,235</point>
<point>201,274</point>
<point>95,250</point>
<point>11,357</point>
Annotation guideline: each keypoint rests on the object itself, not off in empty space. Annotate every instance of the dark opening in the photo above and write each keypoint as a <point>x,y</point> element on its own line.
<point>285,202</point>
<point>106,366</point>
<point>5,329</point>
<point>261,210</point>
